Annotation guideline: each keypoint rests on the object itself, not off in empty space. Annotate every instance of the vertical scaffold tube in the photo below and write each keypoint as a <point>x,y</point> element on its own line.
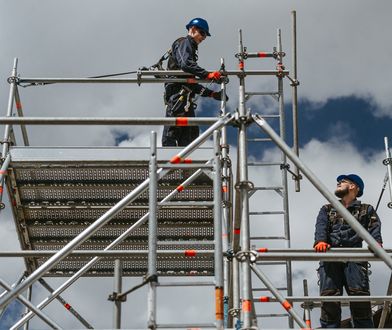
<point>282,125</point>
<point>3,171</point>
<point>8,127</point>
<point>28,297</point>
<point>117,291</point>
<point>19,109</point>
<point>218,254</point>
<point>11,96</point>
<point>388,162</point>
<point>152,233</point>
<point>294,85</point>
<point>226,222</point>
<point>236,292</point>
<point>306,307</point>
<point>243,186</point>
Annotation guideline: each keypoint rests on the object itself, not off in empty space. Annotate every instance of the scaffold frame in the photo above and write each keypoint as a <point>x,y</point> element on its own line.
<point>232,257</point>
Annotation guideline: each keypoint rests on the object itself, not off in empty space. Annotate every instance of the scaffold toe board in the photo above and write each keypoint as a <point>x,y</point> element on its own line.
<point>58,192</point>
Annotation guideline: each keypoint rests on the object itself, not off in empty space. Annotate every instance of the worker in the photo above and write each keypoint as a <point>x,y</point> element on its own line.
<point>179,97</point>
<point>333,231</point>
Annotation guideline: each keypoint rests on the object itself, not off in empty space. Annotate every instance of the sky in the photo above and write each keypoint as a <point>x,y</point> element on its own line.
<point>345,106</point>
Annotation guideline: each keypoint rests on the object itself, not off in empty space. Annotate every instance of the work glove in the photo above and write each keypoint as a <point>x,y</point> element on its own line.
<point>215,76</point>
<point>219,96</point>
<point>322,247</point>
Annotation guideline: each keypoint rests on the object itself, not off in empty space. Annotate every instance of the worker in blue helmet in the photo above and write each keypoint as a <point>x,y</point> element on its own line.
<point>179,97</point>
<point>333,231</point>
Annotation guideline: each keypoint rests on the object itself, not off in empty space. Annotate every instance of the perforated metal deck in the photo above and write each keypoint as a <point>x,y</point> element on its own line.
<point>57,192</point>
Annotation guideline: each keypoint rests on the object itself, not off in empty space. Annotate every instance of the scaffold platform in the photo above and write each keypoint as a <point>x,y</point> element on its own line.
<point>57,192</point>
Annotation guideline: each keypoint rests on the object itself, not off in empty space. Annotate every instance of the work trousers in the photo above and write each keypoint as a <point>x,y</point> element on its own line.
<point>353,276</point>
<point>179,136</point>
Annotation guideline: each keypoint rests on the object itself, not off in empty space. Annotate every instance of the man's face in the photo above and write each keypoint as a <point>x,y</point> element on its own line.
<point>343,187</point>
<point>197,34</point>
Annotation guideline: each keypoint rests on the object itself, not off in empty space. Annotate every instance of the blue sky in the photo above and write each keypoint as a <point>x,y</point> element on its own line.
<point>11,315</point>
<point>349,119</point>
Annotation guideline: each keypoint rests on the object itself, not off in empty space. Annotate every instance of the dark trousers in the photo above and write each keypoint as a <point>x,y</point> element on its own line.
<point>353,276</point>
<point>179,136</point>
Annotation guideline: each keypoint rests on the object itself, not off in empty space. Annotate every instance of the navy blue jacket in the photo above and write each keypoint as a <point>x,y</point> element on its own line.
<point>333,229</point>
<point>184,57</point>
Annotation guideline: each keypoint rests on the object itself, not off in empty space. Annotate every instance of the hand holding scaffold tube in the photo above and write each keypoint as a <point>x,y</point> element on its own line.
<point>322,247</point>
<point>217,77</point>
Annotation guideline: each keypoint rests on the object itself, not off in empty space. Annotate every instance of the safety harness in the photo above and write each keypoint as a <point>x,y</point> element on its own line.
<point>360,213</point>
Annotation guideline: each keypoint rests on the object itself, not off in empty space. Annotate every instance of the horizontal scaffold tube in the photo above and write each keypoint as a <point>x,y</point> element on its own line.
<point>139,80</point>
<point>314,256</point>
<point>190,121</point>
<point>225,73</point>
<point>103,253</point>
<point>374,299</point>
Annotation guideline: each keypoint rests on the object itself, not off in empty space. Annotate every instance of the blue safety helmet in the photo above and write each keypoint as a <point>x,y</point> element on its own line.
<point>355,179</point>
<point>200,23</point>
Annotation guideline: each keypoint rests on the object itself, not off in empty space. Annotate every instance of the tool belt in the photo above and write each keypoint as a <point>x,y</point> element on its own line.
<point>181,103</point>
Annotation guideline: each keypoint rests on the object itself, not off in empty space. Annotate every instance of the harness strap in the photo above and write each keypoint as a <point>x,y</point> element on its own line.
<point>334,216</point>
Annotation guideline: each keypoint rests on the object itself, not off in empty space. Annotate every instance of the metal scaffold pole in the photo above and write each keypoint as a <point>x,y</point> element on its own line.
<point>8,128</point>
<point>243,186</point>
<point>66,305</point>
<point>152,233</point>
<point>226,210</point>
<point>282,119</point>
<point>285,303</point>
<point>294,83</point>
<point>117,290</point>
<point>388,163</point>
<point>218,255</point>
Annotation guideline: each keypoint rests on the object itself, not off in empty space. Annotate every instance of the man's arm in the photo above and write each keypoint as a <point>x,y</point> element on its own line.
<point>184,57</point>
<point>321,229</point>
<point>374,227</point>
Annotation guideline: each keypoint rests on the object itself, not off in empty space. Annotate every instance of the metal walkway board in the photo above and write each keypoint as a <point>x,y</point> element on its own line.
<point>57,192</point>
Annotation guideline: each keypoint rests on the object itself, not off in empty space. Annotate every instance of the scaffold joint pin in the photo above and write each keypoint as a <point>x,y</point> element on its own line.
<point>248,185</point>
<point>13,79</point>
<point>117,297</point>
<point>244,255</point>
<point>235,312</point>
<point>229,254</point>
<point>387,161</point>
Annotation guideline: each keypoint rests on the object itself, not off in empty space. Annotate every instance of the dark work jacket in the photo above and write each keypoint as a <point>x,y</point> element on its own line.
<point>184,57</point>
<point>333,229</point>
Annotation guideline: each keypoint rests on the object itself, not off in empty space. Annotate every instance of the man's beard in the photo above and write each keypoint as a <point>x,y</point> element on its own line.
<point>340,193</point>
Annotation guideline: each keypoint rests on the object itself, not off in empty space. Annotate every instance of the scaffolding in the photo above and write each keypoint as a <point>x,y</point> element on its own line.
<point>161,213</point>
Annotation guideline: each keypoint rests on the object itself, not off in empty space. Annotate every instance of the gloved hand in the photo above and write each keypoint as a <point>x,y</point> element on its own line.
<point>322,247</point>
<point>216,76</point>
<point>218,96</point>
